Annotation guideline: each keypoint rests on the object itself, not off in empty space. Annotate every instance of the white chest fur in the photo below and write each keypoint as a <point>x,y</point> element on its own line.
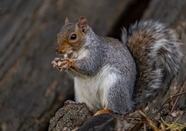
<point>93,90</point>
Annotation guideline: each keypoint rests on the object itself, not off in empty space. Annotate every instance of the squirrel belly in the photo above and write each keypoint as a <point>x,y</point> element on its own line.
<point>111,83</point>
<point>93,90</point>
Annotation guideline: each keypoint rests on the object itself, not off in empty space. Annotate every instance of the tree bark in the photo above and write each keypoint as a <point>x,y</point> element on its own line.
<point>30,89</point>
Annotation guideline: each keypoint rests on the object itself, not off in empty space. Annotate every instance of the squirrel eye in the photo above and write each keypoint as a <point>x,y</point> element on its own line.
<point>73,37</point>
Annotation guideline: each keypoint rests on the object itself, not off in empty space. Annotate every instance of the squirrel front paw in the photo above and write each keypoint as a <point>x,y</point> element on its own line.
<point>63,64</point>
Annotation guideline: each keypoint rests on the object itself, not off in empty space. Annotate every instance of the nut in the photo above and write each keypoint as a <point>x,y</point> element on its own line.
<point>59,63</point>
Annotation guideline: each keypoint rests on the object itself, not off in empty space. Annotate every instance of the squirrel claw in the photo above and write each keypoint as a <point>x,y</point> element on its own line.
<point>57,59</point>
<point>60,64</point>
<point>63,66</point>
<point>54,63</point>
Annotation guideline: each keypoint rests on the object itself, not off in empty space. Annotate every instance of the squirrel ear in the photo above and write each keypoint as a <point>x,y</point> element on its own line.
<point>66,20</point>
<point>82,23</point>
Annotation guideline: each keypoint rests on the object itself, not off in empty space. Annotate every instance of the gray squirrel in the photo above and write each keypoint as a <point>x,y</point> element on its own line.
<point>118,76</point>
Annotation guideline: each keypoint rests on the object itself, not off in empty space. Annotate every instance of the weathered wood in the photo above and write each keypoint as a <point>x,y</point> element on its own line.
<point>30,89</point>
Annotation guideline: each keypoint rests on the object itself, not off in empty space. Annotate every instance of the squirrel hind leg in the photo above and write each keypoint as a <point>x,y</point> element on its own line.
<point>104,111</point>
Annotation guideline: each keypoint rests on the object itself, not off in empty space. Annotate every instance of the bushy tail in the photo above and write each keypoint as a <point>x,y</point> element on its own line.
<point>157,55</point>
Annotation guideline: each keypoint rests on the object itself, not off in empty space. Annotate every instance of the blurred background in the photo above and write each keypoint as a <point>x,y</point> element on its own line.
<point>31,90</point>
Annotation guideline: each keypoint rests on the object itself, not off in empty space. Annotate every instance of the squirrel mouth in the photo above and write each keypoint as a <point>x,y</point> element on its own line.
<point>69,55</point>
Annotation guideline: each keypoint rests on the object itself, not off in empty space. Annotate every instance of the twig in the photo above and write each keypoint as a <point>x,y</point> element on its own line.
<point>170,98</point>
<point>145,127</point>
<point>181,90</point>
<point>149,122</point>
<point>174,126</point>
<point>137,126</point>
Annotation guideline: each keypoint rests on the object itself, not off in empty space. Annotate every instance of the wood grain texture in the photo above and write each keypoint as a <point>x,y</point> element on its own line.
<point>31,90</point>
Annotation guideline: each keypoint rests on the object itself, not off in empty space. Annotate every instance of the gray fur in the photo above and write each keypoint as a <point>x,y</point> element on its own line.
<point>108,51</point>
<point>144,63</point>
<point>160,67</point>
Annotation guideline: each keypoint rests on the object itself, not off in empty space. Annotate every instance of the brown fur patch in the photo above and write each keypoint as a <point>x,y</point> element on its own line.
<point>64,41</point>
<point>139,44</point>
<point>112,41</point>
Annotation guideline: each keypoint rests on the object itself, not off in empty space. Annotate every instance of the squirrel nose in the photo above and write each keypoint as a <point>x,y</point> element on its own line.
<point>58,51</point>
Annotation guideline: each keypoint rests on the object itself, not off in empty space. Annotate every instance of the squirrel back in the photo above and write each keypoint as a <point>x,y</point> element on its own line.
<point>157,56</point>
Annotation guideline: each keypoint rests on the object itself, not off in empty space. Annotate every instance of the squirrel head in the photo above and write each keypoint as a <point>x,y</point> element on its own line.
<point>71,37</point>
